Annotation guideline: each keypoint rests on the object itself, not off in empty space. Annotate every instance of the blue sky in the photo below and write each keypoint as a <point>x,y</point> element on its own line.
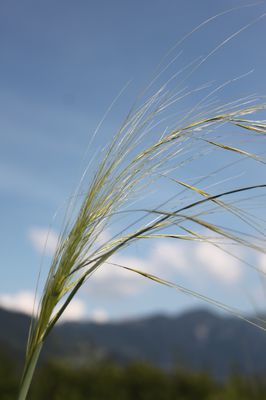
<point>62,64</point>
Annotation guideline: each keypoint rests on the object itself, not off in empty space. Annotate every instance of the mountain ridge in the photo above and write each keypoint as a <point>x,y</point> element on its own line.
<point>196,340</point>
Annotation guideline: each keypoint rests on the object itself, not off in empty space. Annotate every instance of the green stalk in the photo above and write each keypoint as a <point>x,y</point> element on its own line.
<point>28,373</point>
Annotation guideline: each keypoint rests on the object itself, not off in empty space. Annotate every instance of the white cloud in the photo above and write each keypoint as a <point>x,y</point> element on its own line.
<point>170,257</point>
<point>196,259</point>
<point>113,281</point>
<point>196,263</point>
<point>103,237</point>
<point>75,311</point>
<point>218,263</point>
<point>43,239</point>
<point>99,316</point>
<point>23,302</point>
<point>262,262</point>
<point>200,263</point>
<point>20,301</point>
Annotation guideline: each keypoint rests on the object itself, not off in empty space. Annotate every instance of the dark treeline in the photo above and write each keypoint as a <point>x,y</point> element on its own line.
<point>57,381</point>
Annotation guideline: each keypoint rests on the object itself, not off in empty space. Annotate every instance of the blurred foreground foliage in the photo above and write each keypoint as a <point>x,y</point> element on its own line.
<point>58,381</point>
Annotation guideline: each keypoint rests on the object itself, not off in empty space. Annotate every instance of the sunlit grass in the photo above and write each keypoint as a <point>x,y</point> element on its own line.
<point>155,143</point>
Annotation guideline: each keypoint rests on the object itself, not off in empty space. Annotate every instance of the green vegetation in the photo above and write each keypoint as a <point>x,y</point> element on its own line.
<point>137,381</point>
<point>8,379</point>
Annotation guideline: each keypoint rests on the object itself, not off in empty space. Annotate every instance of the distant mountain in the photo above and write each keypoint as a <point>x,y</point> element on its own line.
<point>13,333</point>
<point>197,340</point>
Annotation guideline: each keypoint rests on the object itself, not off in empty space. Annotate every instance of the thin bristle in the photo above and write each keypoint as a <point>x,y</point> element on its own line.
<point>149,147</point>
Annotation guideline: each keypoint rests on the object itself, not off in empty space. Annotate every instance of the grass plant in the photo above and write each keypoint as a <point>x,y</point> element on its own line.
<point>155,144</point>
